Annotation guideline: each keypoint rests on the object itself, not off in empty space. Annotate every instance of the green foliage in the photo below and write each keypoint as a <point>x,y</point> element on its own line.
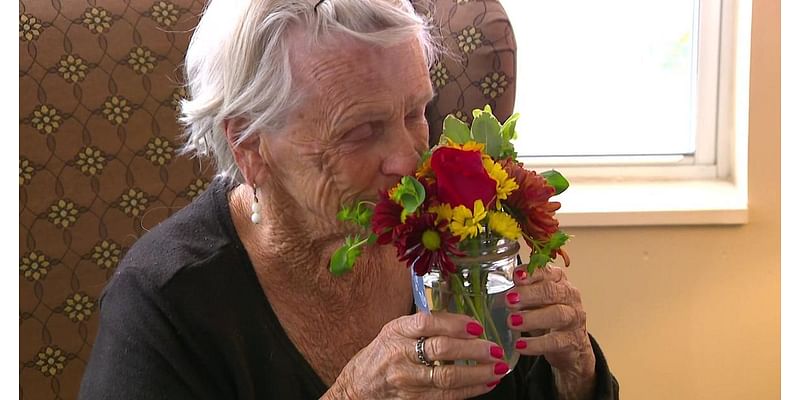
<point>556,180</point>
<point>486,130</point>
<point>456,130</point>
<point>410,194</point>
<point>360,214</point>
<point>541,252</point>
<point>344,258</point>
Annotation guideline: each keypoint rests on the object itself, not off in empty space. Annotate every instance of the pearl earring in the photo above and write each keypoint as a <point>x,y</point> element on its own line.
<point>255,208</point>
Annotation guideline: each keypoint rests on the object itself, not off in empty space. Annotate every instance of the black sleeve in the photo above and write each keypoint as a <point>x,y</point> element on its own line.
<point>532,379</point>
<point>138,353</point>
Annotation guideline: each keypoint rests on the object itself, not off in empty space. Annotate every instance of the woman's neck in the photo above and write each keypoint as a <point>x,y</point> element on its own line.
<point>290,256</point>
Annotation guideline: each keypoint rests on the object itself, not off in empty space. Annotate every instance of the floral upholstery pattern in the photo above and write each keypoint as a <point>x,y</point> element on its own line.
<point>99,91</point>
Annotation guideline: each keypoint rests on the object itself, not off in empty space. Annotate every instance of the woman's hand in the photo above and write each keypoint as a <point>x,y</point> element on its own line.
<point>389,368</point>
<point>549,309</point>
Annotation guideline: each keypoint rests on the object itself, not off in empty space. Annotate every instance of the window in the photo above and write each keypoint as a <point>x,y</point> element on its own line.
<point>635,91</point>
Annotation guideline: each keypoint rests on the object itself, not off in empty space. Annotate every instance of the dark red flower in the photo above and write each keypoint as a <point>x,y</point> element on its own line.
<point>424,245</point>
<point>461,178</point>
<point>531,202</point>
<point>386,218</point>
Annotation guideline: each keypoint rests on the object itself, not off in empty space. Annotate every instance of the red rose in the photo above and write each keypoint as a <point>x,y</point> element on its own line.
<point>461,178</point>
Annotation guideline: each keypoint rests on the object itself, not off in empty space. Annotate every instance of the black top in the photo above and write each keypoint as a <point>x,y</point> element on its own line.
<point>184,317</point>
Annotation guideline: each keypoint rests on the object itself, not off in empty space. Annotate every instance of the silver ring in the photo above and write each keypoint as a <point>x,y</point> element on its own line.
<point>420,347</point>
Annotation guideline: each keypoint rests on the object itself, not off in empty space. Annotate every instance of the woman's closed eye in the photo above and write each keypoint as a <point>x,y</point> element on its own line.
<point>361,132</point>
<point>416,115</point>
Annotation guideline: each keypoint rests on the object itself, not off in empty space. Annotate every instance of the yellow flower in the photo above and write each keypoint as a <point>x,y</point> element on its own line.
<point>106,254</point>
<point>34,266</point>
<point>141,59</point>
<point>117,110</point>
<point>63,213</point>
<point>72,68</point>
<point>504,224</point>
<point>78,307</point>
<point>50,361</point>
<point>470,145</point>
<point>443,212</point>
<point>159,151</point>
<point>25,171</point>
<point>96,20</point>
<point>133,203</point>
<point>494,84</point>
<point>46,119</point>
<point>29,27</point>
<point>505,184</point>
<point>164,13</point>
<point>469,39</point>
<point>424,170</point>
<point>439,75</point>
<point>90,160</point>
<point>466,223</point>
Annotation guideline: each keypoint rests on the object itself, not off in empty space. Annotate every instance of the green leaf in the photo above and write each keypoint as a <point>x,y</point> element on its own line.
<point>486,129</point>
<point>456,130</point>
<point>556,180</point>
<point>538,260</point>
<point>364,215</point>
<point>340,261</point>
<point>557,240</point>
<point>508,130</point>
<point>410,194</point>
<point>344,214</point>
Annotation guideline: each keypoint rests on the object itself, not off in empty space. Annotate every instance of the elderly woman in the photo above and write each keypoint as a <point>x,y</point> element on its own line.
<point>305,106</point>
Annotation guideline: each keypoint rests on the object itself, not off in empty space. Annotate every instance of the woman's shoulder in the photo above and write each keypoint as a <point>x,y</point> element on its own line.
<point>200,235</point>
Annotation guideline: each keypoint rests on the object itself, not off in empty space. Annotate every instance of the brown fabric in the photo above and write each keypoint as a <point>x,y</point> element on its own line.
<point>479,67</point>
<point>98,136</point>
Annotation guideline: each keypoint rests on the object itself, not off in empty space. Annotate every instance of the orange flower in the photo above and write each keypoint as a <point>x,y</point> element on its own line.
<point>531,202</point>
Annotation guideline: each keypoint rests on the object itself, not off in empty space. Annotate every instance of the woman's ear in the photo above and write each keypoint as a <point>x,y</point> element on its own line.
<point>246,153</point>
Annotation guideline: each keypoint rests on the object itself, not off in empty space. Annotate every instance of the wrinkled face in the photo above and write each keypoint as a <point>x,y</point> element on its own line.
<point>359,127</point>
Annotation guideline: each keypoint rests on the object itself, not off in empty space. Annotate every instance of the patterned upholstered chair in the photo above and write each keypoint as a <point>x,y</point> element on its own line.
<point>99,88</point>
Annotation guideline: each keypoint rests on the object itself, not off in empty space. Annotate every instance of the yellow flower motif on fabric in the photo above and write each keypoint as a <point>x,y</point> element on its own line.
<point>50,361</point>
<point>133,203</point>
<point>141,59</point>
<point>164,13</point>
<point>63,213</point>
<point>505,184</point>
<point>25,171</point>
<point>439,75</point>
<point>78,307</point>
<point>504,225</point>
<point>72,68</point>
<point>117,110</point>
<point>106,254</point>
<point>29,27</point>
<point>196,188</point>
<point>466,223</point>
<point>46,119</point>
<point>90,161</point>
<point>96,20</point>
<point>178,95</point>
<point>443,212</point>
<point>469,39</point>
<point>34,266</point>
<point>159,151</point>
<point>460,115</point>
<point>494,85</point>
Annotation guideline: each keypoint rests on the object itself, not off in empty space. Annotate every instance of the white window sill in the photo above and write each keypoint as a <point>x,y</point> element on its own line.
<point>708,202</point>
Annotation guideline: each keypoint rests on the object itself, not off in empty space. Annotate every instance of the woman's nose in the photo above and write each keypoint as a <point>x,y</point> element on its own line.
<point>402,153</point>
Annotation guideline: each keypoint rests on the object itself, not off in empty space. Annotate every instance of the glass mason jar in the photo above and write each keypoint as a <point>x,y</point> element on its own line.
<point>478,289</point>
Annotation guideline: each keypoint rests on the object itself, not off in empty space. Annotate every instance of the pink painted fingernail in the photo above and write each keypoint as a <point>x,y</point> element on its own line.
<point>521,344</point>
<point>500,368</point>
<point>492,384</point>
<point>496,351</point>
<point>513,297</point>
<point>521,274</point>
<point>474,329</point>
<point>516,320</point>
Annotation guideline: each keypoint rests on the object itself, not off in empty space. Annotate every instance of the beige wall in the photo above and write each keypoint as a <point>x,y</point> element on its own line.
<point>694,312</point>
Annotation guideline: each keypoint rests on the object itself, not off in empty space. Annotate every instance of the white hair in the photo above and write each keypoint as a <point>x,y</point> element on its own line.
<point>238,62</point>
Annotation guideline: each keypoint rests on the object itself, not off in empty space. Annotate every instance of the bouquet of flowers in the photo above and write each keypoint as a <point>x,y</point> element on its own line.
<point>468,187</point>
<point>455,220</point>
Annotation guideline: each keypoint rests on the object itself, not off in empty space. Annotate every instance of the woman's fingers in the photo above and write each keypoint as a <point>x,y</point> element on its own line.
<point>572,341</point>
<point>436,324</point>
<point>542,293</point>
<point>547,273</point>
<point>451,376</point>
<point>442,348</point>
<point>557,317</point>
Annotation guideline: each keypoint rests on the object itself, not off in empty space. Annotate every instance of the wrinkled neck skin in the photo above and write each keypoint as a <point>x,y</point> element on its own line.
<point>290,251</point>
